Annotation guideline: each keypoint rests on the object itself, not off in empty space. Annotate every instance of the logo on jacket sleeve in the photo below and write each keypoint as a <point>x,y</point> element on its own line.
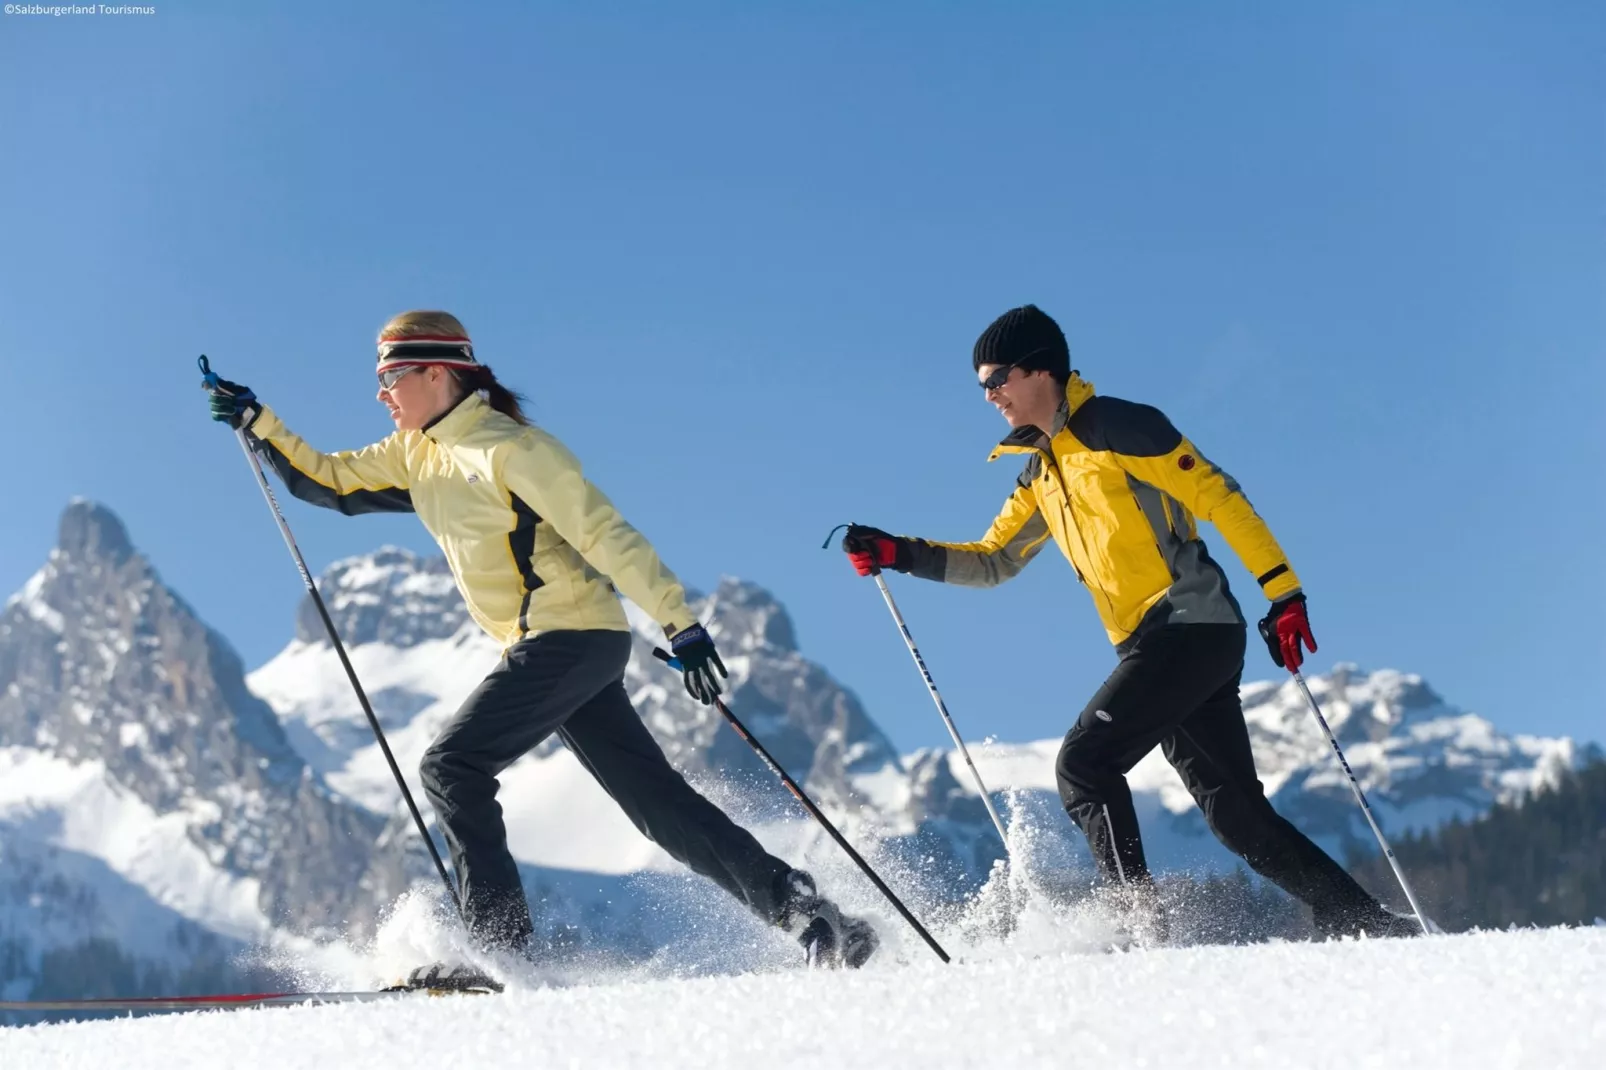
<point>473,477</point>
<point>1186,462</point>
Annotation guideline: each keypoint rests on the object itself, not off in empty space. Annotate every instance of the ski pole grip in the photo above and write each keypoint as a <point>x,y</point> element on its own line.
<point>668,659</point>
<point>208,376</point>
<point>875,569</point>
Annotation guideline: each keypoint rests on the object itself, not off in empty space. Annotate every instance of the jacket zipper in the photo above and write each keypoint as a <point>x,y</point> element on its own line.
<point>1070,515</point>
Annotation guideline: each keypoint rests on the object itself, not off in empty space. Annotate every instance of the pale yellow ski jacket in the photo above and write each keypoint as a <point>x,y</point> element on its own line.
<point>533,545</point>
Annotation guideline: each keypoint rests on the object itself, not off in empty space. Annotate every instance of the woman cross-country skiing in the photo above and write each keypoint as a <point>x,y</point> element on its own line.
<point>537,552</point>
<point>1119,490</point>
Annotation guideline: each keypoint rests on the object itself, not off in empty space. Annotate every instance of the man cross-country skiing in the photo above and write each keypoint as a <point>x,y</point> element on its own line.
<point>1118,488</point>
<point>537,552</point>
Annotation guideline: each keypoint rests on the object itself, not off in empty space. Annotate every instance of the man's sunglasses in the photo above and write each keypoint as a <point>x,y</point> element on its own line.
<point>391,376</point>
<point>996,380</point>
<point>1001,376</point>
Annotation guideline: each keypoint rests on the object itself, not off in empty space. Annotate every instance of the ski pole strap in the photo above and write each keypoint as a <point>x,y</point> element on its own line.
<point>867,548</point>
<point>208,377</point>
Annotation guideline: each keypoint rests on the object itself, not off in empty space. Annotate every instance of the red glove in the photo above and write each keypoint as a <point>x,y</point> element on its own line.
<point>871,550</point>
<point>1284,628</point>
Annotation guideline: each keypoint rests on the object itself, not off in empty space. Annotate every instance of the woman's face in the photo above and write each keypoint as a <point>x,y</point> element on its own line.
<point>419,395</point>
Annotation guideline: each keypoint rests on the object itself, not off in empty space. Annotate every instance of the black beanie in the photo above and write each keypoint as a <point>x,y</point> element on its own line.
<point>1026,337</point>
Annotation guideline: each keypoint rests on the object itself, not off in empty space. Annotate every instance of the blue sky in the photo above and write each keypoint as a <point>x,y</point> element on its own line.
<point>737,256</point>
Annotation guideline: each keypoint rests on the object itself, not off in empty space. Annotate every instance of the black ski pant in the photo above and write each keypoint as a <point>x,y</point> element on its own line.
<point>1178,687</point>
<point>572,683</point>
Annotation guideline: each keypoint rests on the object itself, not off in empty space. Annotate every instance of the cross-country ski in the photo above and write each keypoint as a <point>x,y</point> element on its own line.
<point>212,1002</point>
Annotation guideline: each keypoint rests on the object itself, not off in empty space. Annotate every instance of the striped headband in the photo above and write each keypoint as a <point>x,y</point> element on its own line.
<point>454,351</point>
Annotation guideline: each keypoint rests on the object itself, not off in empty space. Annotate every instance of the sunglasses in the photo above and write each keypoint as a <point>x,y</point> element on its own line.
<point>996,380</point>
<point>391,376</point>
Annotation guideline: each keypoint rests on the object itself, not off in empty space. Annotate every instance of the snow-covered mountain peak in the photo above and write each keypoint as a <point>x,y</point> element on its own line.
<point>1359,706</point>
<point>391,596</point>
<point>91,532</point>
<point>1425,759</point>
<point>108,673</point>
<point>1418,755</point>
<point>91,545</point>
<point>402,599</point>
<point>747,617</point>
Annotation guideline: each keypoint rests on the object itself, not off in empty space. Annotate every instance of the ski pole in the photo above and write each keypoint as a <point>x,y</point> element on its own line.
<point>1360,797</point>
<point>814,811</point>
<point>936,697</point>
<point>211,380</point>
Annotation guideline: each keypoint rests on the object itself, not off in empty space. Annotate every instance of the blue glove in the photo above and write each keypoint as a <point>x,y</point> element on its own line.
<point>694,649</point>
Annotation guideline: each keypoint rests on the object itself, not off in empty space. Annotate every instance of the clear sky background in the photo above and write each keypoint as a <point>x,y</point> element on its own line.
<point>737,254</point>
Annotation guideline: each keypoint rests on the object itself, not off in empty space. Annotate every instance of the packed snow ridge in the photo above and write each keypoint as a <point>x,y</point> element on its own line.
<point>1513,999</point>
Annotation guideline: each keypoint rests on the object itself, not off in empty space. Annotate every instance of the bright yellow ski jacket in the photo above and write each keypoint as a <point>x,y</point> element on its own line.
<point>1117,488</point>
<point>533,545</point>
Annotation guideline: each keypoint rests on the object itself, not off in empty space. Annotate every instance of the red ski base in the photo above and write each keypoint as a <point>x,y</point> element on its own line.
<point>217,1002</point>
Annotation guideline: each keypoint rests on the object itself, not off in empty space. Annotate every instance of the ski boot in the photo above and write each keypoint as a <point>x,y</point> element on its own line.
<point>830,939</point>
<point>438,977</point>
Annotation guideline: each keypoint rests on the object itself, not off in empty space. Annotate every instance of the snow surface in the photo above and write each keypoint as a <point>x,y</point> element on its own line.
<point>1512,999</point>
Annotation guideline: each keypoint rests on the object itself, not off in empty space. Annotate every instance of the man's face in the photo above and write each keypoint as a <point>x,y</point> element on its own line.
<point>1021,397</point>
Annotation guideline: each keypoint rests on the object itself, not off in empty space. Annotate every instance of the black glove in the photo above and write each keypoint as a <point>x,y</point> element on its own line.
<point>871,549</point>
<point>233,404</point>
<point>694,649</point>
